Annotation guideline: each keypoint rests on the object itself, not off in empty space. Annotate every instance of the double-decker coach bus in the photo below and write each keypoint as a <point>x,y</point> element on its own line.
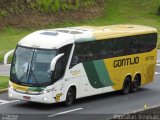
<point>63,64</point>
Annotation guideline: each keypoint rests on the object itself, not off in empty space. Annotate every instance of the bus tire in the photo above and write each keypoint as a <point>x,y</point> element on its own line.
<point>135,84</point>
<point>126,86</point>
<point>70,97</point>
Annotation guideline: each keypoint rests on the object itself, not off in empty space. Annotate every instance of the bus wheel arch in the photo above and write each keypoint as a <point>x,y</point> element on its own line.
<point>139,75</point>
<point>136,82</point>
<point>70,95</point>
<point>126,85</point>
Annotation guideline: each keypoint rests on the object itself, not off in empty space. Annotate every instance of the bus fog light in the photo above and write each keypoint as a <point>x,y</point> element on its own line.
<point>45,91</point>
<point>10,95</point>
<point>45,99</point>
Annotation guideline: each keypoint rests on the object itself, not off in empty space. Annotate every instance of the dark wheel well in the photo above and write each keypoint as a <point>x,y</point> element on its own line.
<point>126,85</point>
<point>71,96</point>
<point>130,78</point>
<point>139,76</point>
<point>74,89</point>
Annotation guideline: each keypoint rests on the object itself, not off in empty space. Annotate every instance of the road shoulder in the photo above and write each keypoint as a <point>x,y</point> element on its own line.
<point>152,113</point>
<point>3,90</point>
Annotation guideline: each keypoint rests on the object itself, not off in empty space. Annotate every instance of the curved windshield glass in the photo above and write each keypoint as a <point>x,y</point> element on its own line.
<point>32,66</point>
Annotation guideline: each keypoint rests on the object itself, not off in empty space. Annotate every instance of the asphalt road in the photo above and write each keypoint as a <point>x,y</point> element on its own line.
<point>99,107</point>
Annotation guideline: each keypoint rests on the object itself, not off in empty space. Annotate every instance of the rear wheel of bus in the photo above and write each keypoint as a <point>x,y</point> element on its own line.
<point>126,86</point>
<point>136,83</point>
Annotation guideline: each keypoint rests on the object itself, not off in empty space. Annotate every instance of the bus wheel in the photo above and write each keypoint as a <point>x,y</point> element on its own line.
<point>70,97</point>
<point>126,86</point>
<point>135,84</point>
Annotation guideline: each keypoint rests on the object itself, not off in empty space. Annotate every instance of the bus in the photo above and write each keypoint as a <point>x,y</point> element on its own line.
<point>64,64</point>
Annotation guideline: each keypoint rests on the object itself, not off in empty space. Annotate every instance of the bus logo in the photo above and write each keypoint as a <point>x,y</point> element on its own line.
<point>125,62</point>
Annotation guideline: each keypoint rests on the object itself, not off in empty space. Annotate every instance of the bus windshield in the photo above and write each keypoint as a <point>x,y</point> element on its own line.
<point>31,67</point>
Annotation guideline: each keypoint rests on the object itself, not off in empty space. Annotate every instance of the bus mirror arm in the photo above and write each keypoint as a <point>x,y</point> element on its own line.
<point>54,60</point>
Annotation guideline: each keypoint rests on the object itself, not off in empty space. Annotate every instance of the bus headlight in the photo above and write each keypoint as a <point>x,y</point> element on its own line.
<point>46,91</point>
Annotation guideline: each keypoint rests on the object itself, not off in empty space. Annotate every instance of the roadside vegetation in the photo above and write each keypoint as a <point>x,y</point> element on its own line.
<point>44,6</point>
<point>4,82</point>
<point>141,12</point>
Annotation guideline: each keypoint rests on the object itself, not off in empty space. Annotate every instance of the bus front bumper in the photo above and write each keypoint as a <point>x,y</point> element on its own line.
<point>40,98</point>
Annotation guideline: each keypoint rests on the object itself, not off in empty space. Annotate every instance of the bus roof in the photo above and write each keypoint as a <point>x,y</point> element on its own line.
<point>56,38</point>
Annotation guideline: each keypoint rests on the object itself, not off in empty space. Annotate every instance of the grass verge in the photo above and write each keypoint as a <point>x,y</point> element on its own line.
<point>9,37</point>
<point>4,82</point>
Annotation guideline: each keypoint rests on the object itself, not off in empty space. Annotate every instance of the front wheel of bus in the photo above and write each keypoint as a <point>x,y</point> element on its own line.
<point>126,86</point>
<point>70,97</point>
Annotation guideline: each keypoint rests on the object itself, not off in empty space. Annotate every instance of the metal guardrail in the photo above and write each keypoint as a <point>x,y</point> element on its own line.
<point>6,56</point>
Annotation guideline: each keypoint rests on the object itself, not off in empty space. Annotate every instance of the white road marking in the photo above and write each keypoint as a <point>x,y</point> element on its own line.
<point>65,112</point>
<point>2,102</point>
<point>157,73</point>
<point>14,101</point>
<point>158,64</point>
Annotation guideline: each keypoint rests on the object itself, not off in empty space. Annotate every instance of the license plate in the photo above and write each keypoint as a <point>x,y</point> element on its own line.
<point>26,97</point>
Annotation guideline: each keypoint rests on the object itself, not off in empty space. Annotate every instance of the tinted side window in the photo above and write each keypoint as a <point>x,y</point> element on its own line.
<point>106,48</point>
<point>83,52</point>
<point>140,43</point>
<point>148,42</point>
<point>133,45</point>
<point>62,62</point>
<point>92,51</point>
<point>102,49</point>
<point>79,54</point>
<point>119,47</point>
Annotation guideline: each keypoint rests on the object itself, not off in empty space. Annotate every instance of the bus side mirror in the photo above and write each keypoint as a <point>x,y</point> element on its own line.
<point>54,60</point>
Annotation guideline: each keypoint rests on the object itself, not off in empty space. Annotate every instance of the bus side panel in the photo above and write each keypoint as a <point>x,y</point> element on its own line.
<point>145,66</point>
<point>84,88</point>
<point>98,75</point>
<point>118,74</point>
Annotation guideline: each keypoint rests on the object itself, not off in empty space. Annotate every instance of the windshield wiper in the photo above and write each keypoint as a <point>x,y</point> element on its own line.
<point>32,74</point>
<point>28,68</point>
